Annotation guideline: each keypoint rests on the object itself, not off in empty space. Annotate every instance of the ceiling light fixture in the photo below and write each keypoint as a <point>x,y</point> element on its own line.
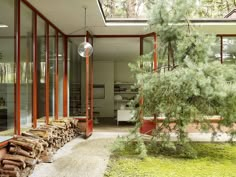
<point>3,25</point>
<point>85,49</point>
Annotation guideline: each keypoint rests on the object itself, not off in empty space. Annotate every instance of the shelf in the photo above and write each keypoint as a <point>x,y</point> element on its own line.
<point>122,100</point>
<point>123,83</point>
<point>125,92</point>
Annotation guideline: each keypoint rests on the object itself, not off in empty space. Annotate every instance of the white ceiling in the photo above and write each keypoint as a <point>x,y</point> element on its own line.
<point>68,16</point>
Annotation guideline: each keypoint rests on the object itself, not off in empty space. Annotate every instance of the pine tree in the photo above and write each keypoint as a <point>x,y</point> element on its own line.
<point>194,88</point>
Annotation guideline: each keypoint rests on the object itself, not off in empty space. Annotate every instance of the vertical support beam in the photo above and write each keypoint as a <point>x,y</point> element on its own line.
<point>47,77</point>
<point>87,84</point>
<point>35,61</point>
<point>141,46</point>
<point>17,62</point>
<point>65,79</point>
<point>221,50</point>
<point>92,103</point>
<point>155,53</point>
<point>56,80</point>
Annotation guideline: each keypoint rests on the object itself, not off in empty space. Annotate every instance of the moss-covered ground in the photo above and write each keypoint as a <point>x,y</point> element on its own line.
<point>214,160</point>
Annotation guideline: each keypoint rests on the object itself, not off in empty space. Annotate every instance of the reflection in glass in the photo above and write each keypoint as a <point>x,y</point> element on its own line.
<point>60,74</point>
<point>229,50</point>
<point>7,69</point>
<point>76,79</point>
<point>41,67</point>
<point>52,66</point>
<point>26,59</point>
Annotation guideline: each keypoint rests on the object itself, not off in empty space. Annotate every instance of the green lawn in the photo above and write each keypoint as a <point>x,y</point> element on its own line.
<point>214,160</point>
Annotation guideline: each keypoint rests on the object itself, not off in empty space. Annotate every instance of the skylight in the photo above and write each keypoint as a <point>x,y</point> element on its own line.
<point>138,9</point>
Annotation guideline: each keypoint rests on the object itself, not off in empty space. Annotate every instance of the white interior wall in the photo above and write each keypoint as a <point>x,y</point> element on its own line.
<point>122,72</point>
<point>104,75</point>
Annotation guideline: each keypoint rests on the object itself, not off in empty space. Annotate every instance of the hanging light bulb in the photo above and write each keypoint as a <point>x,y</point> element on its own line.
<point>85,49</point>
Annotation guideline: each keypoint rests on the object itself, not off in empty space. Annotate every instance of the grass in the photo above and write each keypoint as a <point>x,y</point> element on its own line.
<point>214,160</point>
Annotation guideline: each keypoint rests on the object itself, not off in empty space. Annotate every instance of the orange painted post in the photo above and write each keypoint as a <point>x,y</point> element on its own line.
<point>92,104</point>
<point>87,92</point>
<point>18,72</point>
<point>155,62</point>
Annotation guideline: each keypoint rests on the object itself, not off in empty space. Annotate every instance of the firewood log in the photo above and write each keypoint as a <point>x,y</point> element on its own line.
<point>16,163</point>
<point>35,142</point>
<point>28,134</point>
<point>45,134</point>
<point>10,173</point>
<point>18,150</point>
<point>24,145</point>
<point>17,158</point>
<point>11,167</point>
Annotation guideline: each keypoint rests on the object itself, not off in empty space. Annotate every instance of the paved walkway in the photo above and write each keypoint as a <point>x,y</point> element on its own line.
<point>89,158</point>
<point>80,158</point>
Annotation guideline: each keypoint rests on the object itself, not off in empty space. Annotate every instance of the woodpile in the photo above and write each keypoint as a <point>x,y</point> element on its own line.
<point>35,146</point>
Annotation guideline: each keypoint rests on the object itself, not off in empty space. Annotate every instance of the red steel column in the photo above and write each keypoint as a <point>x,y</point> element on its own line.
<point>87,84</point>
<point>35,59</point>
<point>17,86</point>
<point>155,63</point>
<point>92,104</point>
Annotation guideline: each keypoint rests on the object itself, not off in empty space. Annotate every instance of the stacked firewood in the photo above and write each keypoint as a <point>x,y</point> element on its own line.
<point>35,146</point>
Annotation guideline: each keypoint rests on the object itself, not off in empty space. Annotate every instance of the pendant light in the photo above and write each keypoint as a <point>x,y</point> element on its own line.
<point>85,49</point>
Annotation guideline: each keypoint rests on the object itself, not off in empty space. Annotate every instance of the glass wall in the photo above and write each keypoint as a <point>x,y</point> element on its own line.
<point>41,69</point>
<point>77,79</point>
<point>7,64</point>
<point>229,50</point>
<point>8,67</point>
<point>52,69</point>
<point>148,48</point>
<point>60,74</point>
<point>26,61</point>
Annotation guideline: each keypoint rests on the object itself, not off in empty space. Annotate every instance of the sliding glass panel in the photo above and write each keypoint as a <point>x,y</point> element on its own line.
<point>41,69</point>
<point>77,89</point>
<point>26,57</point>
<point>7,65</point>
<point>52,66</point>
<point>229,50</point>
<point>148,47</point>
<point>60,74</point>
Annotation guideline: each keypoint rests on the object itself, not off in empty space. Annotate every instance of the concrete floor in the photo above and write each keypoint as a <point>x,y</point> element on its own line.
<point>82,158</point>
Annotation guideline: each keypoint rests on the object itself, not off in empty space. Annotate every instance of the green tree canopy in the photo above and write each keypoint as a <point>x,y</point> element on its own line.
<point>194,88</point>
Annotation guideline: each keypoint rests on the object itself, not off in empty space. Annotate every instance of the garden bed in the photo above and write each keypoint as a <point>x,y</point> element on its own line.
<point>214,160</point>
